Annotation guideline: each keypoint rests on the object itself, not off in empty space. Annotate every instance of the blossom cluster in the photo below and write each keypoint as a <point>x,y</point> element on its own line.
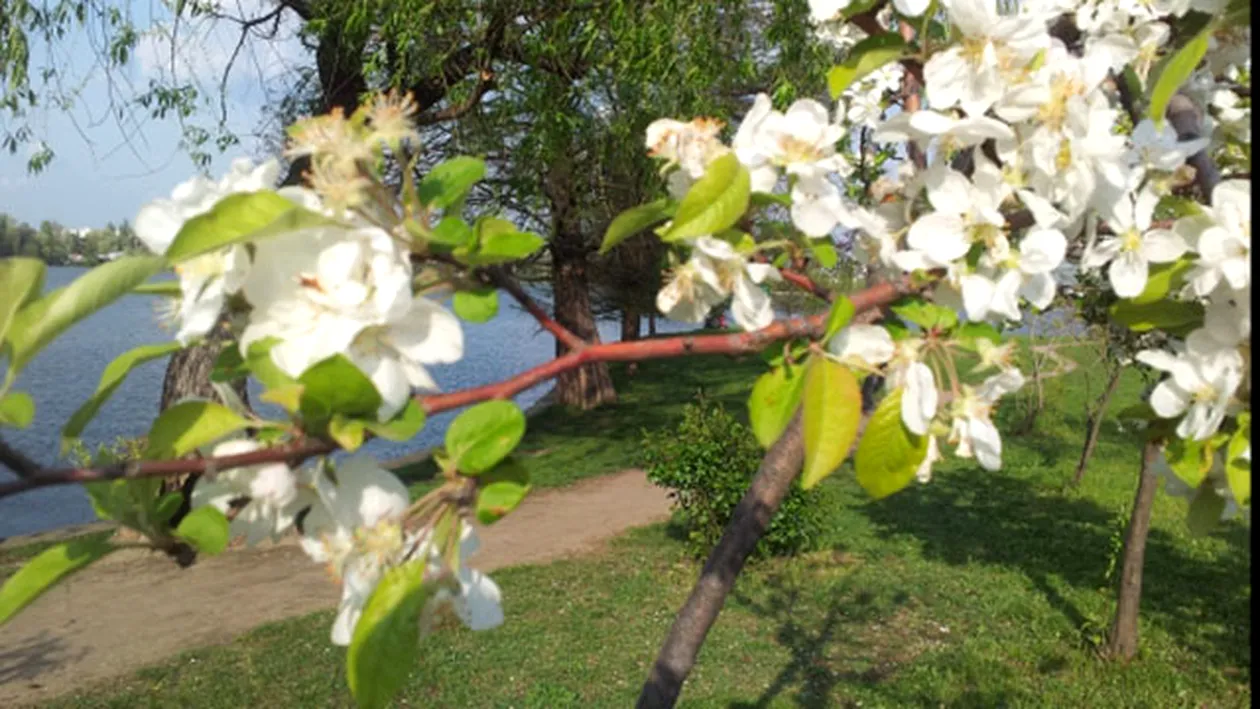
<point>338,283</point>
<point>997,224</point>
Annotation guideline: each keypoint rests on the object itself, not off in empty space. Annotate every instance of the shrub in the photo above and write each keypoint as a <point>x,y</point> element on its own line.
<point>707,463</point>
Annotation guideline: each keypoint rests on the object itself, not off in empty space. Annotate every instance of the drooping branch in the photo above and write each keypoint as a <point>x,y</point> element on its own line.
<point>497,276</point>
<point>297,451</point>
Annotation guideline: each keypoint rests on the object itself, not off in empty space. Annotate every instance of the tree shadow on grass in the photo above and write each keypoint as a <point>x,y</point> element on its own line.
<point>859,639</point>
<point>964,518</point>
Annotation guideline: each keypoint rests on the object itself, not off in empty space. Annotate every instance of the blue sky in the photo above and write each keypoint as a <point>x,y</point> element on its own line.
<point>103,172</point>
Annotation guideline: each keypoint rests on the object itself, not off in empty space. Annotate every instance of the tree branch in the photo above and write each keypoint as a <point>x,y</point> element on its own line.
<point>297,451</point>
<point>500,278</point>
<point>15,460</point>
<point>1185,118</point>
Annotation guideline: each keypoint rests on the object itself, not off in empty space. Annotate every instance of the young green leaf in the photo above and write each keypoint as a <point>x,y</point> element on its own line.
<point>479,305</point>
<point>500,490</point>
<point>17,409</point>
<point>229,365</point>
<point>21,280</point>
<point>831,412</point>
<point>889,455</point>
<point>386,637</point>
<point>188,425</point>
<point>1175,73</point>
<point>1190,460</point>
<point>348,433</point>
<point>824,252</point>
<point>52,565</point>
<point>452,232</point>
<point>634,220</point>
<point>841,314</point>
<point>206,528</point>
<point>1205,511</point>
<point>449,180</point>
<point>484,435</point>
<point>866,56</point>
<point>1177,317</point>
<point>168,288</point>
<point>43,319</point>
<point>926,315</point>
<point>968,333</point>
<point>715,202</point>
<point>115,372</point>
<point>244,216</point>
<point>404,426</point>
<point>774,399</point>
<point>1163,278</point>
<point>263,367</point>
<point>498,241</point>
<point>335,386</point>
<point>167,506</point>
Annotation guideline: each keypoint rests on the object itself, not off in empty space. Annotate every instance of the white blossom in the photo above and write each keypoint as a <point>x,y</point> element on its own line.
<point>1134,246</point>
<point>266,497</point>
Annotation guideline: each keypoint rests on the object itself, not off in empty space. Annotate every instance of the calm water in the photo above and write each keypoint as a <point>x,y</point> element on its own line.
<point>66,373</point>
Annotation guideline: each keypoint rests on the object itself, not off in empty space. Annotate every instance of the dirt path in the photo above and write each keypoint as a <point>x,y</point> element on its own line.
<point>136,608</point>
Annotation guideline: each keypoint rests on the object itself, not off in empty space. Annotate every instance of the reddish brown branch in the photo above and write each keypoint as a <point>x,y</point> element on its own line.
<point>806,283</point>
<point>294,453</point>
<point>501,279</point>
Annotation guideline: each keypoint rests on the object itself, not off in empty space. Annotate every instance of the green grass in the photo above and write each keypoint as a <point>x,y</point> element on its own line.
<point>976,590</point>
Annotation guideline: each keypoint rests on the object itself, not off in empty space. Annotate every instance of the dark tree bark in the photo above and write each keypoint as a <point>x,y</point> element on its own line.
<point>188,376</point>
<point>1094,425</point>
<point>590,385</point>
<point>749,522</point>
<point>1122,640</point>
<point>630,323</point>
<point>652,324</point>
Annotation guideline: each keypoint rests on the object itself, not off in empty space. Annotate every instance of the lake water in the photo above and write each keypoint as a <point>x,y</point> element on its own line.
<point>65,374</point>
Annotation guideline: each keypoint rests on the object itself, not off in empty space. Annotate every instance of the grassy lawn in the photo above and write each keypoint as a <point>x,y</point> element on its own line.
<point>977,590</point>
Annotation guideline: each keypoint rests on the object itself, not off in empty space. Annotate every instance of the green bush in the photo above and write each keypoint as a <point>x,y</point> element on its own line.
<point>707,463</point>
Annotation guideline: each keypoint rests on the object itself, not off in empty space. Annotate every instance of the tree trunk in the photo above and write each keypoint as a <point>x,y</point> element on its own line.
<point>1030,420</point>
<point>188,376</point>
<point>590,385</point>
<point>652,324</point>
<point>1094,425</point>
<point>630,323</point>
<point>780,466</point>
<point>1122,640</point>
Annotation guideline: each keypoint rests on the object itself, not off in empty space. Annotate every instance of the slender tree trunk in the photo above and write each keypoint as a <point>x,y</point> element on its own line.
<point>652,324</point>
<point>1122,640</point>
<point>630,324</point>
<point>188,376</point>
<point>1030,420</point>
<point>779,468</point>
<point>1094,425</point>
<point>590,385</point>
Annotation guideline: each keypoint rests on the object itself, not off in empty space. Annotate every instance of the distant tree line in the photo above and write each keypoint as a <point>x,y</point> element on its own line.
<point>57,245</point>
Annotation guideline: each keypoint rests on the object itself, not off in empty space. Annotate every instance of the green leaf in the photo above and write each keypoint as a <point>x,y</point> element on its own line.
<point>287,397</point>
<point>926,315</point>
<point>841,315</point>
<point>348,433</point>
<point>383,649</point>
<point>1190,460</point>
<point>206,528</point>
<point>634,220</point>
<point>244,216</point>
<point>21,280</point>
<point>774,398</point>
<point>714,203</point>
<point>866,56</point>
<point>335,386</point>
<point>767,199</point>
<point>40,573</point>
<point>264,368</point>
<point>452,232</point>
<point>1175,73</point>
<point>824,253</point>
<point>114,374</point>
<point>167,506</point>
<point>831,411</point>
<point>500,490</point>
<point>1163,279</point>
<point>163,288</point>
<point>498,241</point>
<point>229,365</point>
<point>1238,469</point>
<point>1205,511</point>
<point>484,435</point>
<point>889,454</point>
<point>44,319</point>
<point>450,180</point>
<point>1176,317</point>
<point>404,426</point>
<point>188,425</point>
<point>478,305</point>
<point>17,409</point>
<point>969,332</point>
